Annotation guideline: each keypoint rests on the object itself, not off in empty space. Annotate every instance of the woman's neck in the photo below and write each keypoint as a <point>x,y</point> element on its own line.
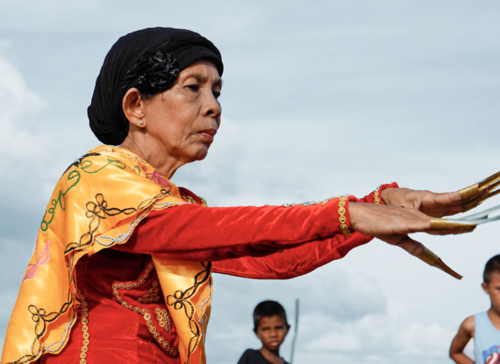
<point>164,163</point>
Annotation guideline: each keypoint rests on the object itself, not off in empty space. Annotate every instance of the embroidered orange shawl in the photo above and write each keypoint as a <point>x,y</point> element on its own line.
<point>96,204</point>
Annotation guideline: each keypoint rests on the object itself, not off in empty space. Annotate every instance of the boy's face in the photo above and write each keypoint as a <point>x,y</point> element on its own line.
<point>272,332</point>
<point>493,290</point>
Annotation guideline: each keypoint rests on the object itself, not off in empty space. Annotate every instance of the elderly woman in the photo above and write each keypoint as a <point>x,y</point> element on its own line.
<point>123,261</point>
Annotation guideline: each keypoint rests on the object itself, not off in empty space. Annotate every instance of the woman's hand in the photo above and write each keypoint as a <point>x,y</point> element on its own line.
<point>430,203</point>
<point>392,224</point>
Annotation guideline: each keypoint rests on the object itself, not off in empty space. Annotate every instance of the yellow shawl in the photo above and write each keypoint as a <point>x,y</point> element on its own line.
<point>97,203</point>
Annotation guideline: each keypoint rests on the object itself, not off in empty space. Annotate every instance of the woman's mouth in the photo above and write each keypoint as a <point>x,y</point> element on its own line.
<point>208,134</point>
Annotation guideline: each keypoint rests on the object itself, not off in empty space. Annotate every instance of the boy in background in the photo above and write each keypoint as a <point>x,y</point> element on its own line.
<point>271,327</point>
<point>483,327</point>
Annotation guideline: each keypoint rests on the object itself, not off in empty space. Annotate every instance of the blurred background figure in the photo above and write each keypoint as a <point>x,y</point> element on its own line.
<point>271,327</point>
<point>484,327</point>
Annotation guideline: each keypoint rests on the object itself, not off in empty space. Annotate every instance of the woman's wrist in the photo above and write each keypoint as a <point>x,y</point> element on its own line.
<point>383,192</point>
<point>343,213</point>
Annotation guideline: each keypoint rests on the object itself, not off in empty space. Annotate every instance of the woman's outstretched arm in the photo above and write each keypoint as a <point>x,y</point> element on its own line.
<point>309,236</point>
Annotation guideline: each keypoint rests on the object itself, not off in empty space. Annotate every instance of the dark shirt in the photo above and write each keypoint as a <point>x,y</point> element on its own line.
<point>251,356</point>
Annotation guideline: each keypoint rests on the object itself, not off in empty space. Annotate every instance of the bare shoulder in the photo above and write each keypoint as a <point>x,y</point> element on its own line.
<point>468,325</point>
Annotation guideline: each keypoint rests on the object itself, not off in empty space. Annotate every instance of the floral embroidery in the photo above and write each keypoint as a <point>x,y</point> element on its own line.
<point>201,312</point>
<point>157,178</point>
<point>162,315</point>
<point>48,217</point>
<point>97,211</point>
<point>181,300</point>
<point>42,259</point>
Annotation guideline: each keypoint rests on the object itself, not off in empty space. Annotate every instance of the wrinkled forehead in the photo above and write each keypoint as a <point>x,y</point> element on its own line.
<point>204,71</point>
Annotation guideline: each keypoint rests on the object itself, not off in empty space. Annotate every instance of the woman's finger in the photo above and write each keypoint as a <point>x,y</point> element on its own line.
<point>457,230</point>
<point>449,198</point>
<point>405,242</point>
<point>411,246</point>
<point>452,210</point>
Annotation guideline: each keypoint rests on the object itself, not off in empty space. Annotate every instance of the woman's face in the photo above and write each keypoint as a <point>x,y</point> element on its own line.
<point>183,120</point>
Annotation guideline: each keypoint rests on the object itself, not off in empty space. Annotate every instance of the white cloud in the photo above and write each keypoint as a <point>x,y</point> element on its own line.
<point>377,339</point>
<point>19,107</point>
<point>25,151</point>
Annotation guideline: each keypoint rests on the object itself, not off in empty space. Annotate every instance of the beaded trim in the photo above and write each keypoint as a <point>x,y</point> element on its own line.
<point>161,315</point>
<point>308,203</point>
<point>152,296</point>
<point>189,199</point>
<point>163,319</point>
<point>342,218</point>
<point>85,320</point>
<point>376,196</point>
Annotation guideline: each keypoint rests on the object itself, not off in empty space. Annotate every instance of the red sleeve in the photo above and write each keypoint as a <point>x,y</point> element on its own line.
<point>300,260</point>
<point>292,262</point>
<point>371,197</point>
<point>193,232</point>
<point>266,242</point>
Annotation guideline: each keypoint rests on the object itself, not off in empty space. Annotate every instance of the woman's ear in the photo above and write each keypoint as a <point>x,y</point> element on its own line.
<point>133,107</point>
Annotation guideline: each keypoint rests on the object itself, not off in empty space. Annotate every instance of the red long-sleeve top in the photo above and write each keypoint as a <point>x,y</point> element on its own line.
<point>269,242</point>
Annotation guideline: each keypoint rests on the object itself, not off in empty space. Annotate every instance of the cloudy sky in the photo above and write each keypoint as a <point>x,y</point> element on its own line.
<point>320,98</point>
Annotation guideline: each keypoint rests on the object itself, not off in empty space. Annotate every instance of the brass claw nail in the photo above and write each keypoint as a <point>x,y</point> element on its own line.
<point>433,260</point>
<point>443,224</point>
<point>472,195</point>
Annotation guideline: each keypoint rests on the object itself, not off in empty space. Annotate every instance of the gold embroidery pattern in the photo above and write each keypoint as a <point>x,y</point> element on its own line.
<point>342,218</point>
<point>203,201</point>
<point>309,203</point>
<point>152,296</point>
<point>85,320</point>
<point>376,196</point>
<point>165,319</point>
<point>189,199</point>
<point>181,300</point>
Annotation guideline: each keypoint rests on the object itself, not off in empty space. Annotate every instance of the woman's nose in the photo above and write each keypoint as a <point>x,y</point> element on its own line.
<point>212,107</point>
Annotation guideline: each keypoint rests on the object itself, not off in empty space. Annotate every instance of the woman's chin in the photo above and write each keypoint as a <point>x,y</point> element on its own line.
<point>200,155</point>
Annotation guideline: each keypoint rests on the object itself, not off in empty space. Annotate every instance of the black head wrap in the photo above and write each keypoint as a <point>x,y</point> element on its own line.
<point>149,60</point>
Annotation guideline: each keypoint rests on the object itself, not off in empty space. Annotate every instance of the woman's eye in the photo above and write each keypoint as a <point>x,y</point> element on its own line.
<point>216,93</point>
<point>193,87</point>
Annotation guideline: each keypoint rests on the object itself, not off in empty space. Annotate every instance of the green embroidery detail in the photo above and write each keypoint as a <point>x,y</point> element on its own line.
<point>138,170</point>
<point>59,201</point>
<point>86,164</point>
